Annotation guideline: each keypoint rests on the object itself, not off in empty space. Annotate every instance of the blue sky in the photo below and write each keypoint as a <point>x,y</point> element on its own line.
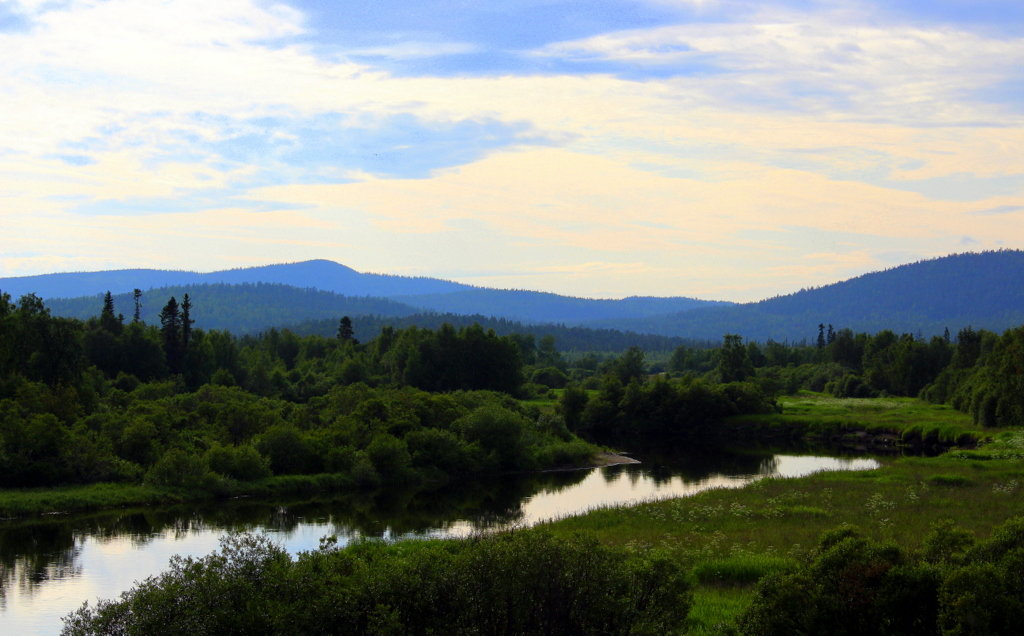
<point>716,148</point>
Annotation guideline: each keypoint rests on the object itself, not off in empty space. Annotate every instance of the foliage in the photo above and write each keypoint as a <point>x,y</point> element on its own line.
<point>856,586</point>
<point>664,407</point>
<point>523,582</point>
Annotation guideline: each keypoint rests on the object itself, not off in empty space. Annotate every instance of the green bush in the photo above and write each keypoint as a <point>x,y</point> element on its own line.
<point>517,583</point>
<point>855,586</point>
<point>179,469</point>
<point>288,449</point>
<point>238,462</point>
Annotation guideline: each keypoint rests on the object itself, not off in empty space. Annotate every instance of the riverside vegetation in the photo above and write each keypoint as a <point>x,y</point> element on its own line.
<point>180,413</point>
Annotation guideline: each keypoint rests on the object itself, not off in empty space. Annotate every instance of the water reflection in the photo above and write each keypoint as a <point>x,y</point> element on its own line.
<point>50,565</point>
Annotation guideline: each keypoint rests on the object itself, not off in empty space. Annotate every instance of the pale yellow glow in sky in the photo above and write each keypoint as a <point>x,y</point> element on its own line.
<point>716,154</point>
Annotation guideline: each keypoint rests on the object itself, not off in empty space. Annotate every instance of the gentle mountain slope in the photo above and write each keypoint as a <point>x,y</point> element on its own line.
<point>250,308</point>
<point>425,294</point>
<point>531,306</point>
<point>244,308</point>
<point>318,274</point>
<point>981,290</point>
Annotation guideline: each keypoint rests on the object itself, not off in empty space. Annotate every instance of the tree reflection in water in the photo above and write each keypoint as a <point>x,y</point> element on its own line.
<point>41,551</point>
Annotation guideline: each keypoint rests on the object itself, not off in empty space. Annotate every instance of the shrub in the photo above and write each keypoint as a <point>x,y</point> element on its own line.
<point>238,462</point>
<point>517,583</point>
<point>179,469</point>
<point>288,450</point>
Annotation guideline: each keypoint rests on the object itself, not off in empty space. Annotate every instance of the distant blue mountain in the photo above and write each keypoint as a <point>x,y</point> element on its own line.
<point>239,308</point>
<point>420,293</point>
<point>317,274</point>
<point>248,308</point>
<point>983,290</point>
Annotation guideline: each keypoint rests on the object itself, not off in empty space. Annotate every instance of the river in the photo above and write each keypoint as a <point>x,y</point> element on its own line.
<point>50,565</point>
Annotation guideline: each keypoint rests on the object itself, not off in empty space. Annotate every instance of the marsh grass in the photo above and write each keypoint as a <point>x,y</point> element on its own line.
<point>15,503</point>
<point>715,607</point>
<point>731,537</point>
<point>743,569</point>
<point>910,418</point>
<point>33,501</point>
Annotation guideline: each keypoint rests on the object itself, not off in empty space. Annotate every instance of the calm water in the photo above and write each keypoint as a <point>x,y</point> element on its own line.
<point>49,567</point>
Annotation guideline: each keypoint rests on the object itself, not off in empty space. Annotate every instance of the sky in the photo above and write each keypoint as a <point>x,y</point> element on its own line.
<point>722,149</point>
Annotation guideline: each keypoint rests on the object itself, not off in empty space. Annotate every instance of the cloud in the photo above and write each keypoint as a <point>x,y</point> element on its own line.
<point>555,201</point>
<point>816,63</point>
<point>1000,209</point>
<point>686,146</point>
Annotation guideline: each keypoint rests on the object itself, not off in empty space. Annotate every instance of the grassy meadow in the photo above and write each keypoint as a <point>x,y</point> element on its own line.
<point>730,538</point>
<point>819,414</point>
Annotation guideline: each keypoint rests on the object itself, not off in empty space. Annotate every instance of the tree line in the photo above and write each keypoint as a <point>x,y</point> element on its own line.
<point>976,371</point>
<point>110,399</point>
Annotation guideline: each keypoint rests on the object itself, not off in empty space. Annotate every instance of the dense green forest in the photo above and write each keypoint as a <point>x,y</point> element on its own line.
<point>208,412</point>
<point>978,372</point>
<point>115,399</point>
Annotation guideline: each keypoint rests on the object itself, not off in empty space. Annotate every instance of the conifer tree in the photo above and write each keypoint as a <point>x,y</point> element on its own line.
<point>170,332</point>
<point>186,322</point>
<point>345,331</point>
<point>108,319</point>
<point>137,297</point>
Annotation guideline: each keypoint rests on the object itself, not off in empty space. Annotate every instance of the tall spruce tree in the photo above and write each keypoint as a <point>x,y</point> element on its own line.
<point>186,322</point>
<point>108,319</point>
<point>137,297</point>
<point>170,332</point>
<point>345,331</point>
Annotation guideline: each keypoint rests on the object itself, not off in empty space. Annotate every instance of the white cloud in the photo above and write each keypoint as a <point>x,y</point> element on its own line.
<point>660,184</point>
<point>807,62</point>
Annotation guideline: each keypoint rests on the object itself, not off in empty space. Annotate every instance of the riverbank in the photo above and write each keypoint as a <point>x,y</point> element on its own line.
<point>731,538</point>
<point>878,425</point>
<point>15,503</point>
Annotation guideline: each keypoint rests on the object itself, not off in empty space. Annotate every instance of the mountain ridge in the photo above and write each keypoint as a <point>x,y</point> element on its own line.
<point>978,289</point>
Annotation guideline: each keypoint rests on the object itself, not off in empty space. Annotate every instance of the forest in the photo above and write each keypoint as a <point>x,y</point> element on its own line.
<point>208,414</point>
<point>116,399</point>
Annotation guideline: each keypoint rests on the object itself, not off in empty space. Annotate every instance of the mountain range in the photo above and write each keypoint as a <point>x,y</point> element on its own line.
<point>982,290</point>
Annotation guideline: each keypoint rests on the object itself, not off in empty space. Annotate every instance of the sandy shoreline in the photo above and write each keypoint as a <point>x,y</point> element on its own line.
<point>612,459</point>
<point>598,461</point>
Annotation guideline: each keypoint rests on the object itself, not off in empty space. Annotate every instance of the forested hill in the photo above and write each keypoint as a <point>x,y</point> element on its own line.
<point>252,308</point>
<point>566,338</point>
<point>419,295</point>
<point>537,307</point>
<point>983,290</point>
<point>318,274</point>
<point>240,309</point>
